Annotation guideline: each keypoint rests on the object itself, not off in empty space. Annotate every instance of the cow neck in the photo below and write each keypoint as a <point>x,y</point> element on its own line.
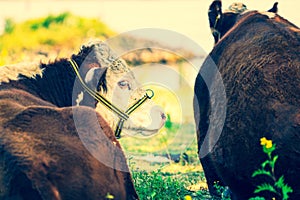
<point>56,83</point>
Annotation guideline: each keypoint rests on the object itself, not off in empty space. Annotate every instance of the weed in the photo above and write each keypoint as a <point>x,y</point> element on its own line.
<point>279,187</point>
<point>223,191</point>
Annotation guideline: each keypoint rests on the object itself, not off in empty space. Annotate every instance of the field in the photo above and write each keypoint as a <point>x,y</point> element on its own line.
<point>165,166</point>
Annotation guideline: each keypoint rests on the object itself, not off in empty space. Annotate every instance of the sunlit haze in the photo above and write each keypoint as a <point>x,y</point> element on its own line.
<point>186,17</point>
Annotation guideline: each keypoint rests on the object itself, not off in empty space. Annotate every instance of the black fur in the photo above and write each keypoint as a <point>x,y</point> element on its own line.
<point>258,59</point>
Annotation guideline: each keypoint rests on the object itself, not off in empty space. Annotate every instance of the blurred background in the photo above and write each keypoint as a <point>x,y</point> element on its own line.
<point>188,17</point>
<point>164,41</point>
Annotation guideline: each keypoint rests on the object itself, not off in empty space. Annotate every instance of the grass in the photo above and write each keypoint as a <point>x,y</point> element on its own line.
<point>168,180</point>
<point>163,184</point>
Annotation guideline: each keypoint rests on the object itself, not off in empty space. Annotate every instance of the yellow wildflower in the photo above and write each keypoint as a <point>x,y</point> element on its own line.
<point>187,197</point>
<point>109,196</point>
<point>265,142</point>
<point>269,144</point>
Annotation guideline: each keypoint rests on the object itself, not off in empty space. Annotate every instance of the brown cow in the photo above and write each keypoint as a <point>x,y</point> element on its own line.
<point>249,88</point>
<point>52,149</point>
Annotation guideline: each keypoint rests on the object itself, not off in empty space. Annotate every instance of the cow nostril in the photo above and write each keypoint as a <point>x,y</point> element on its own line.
<point>163,116</point>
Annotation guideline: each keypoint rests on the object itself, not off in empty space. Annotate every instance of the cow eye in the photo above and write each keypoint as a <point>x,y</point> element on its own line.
<point>124,85</point>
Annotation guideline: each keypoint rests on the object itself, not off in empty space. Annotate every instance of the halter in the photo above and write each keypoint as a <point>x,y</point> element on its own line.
<point>214,29</point>
<point>123,116</point>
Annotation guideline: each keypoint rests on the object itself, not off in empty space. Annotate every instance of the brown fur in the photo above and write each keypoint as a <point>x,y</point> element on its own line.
<point>41,154</point>
<point>258,59</point>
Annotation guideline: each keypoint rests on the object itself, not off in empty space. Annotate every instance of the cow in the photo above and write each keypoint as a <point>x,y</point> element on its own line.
<point>54,141</point>
<point>248,88</point>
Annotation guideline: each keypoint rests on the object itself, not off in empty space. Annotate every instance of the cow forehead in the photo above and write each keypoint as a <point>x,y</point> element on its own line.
<point>115,75</point>
<point>119,66</point>
<point>118,70</point>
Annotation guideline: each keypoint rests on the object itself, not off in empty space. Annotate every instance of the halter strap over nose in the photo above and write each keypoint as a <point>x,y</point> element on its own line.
<point>149,94</point>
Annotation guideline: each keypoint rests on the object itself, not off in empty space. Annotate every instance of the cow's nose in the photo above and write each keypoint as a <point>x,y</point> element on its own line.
<point>161,113</point>
<point>163,116</point>
<point>158,116</point>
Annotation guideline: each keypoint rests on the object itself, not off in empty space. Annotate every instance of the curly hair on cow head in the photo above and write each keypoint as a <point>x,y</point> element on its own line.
<point>95,51</point>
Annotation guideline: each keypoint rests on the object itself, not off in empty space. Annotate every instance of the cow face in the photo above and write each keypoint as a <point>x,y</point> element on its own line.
<point>221,22</point>
<point>111,76</point>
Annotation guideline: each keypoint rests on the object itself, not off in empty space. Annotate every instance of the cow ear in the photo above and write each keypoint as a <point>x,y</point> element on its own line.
<point>96,77</point>
<point>214,16</point>
<point>214,12</point>
<point>274,9</point>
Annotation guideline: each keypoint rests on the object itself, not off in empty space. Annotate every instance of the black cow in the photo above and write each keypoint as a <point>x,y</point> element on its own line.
<point>249,88</point>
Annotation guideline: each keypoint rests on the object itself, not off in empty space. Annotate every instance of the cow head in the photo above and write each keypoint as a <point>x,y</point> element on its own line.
<point>103,71</point>
<point>221,22</point>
